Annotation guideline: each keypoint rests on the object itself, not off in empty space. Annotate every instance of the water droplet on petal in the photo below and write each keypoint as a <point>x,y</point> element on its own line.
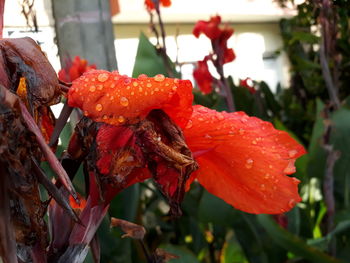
<point>149,85</point>
<point>249,163</point>
<point>262,187</point>
<point>254,142</point>
<point>207,136</point>
<point>267,176</point>
<point>86,113</point>
<point>189,124</point>
<point>270,166</point>
<point>290,168</point>
<point>102,77</point>
<point>135,84</point>
<point>92,88</point>
<point>124,101</point>
<point>176,81</point>
<point>220,116</point>
<point>98,107</point>
<point>140,89</point>
<point>295,180</point>
<point>174,88</point>
<point>121,119</point>
<point>156,89</point>
<point>132,93</point>
<point>142,77</point>
<point>292,153</point>
<point>241,131</point>
<point>105,117</point>
<point>291,203</point>
<point>200,119</point>
<point>99,87</point>
<point>159,78</point>
<point>112,86</point>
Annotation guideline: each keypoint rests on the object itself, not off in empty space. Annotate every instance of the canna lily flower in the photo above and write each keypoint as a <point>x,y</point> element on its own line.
<point>150,3</point>
<point>218,37</point>
<point>243,160</point>
<point>203,77</point>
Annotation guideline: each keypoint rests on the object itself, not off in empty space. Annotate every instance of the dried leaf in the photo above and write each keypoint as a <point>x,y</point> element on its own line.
<point>24,58</point>
<point>131,230</point>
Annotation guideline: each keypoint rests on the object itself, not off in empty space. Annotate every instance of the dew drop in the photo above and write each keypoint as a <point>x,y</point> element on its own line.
<point>135,84</point>
<point>200,119</point>
<point>207,136</point>
<point>140,89</point>
<point>159,78</point>
<point>295,180</point>
<point>291,203</point>
<point>142,77</point>
<point>128,87</point>
<point>105,117</point>
<point>112,98</point>
<point>241,131</point>
<point>156,89</point>
<point>290,168</point>
<point>249,163</point>
<point>124,101</point>
<point>99,87</point>
<point>254,142</point>
<point>270,166</point>
<point>102,77</point>
<point>121,119</point>
<point>176,81</point>
<point>262,187</point>
<point>112,86</point>
<point>86,113</point>
<point>174,88</point>
<point>189,124</point>
<point>220,116</point>
<point>92,88</point>
<point>132,93</point>
<point>292,153</point>
<point>148,85</point>
<point>267,176</point>
<point>98,107</point>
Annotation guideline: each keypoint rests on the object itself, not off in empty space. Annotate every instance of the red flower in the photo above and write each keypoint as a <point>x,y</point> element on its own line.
<point>242,159</point>
<point>119,100</point>
<point>248,83</point>
<point>150,4</point>
<point>218,37</point>
<point>209,28</point>
<point>74,69</point>
<point>203,77</point>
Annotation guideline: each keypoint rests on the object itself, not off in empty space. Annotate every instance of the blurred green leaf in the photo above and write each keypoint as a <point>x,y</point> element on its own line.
<point>185,255</point>
<point>293,243</point>
<point>148,60</point>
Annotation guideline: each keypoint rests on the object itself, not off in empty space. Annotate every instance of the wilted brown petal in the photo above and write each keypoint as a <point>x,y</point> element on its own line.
<point>131,230</point>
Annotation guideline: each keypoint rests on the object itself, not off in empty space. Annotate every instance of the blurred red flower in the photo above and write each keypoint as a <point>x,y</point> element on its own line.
<point>242,159</point>
<point>218,37</point>
<point>203,77</point>
<point>248,84</point>
<point>74,69</point>
<point>150,3</point>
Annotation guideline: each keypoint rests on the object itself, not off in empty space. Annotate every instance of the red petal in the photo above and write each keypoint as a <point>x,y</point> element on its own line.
<point>244,160</point>
<point>115,99</point>
<point>209,28</point>
<point>203,77</point>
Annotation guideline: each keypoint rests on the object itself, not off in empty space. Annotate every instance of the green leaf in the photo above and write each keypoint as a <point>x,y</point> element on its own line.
<point>293,243</point>
<point>185,255</point>
<point>149,61</point>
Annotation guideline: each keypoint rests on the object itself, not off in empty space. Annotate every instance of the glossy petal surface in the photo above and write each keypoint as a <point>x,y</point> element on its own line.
<point>114,99</point>
<point>244,160</point>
